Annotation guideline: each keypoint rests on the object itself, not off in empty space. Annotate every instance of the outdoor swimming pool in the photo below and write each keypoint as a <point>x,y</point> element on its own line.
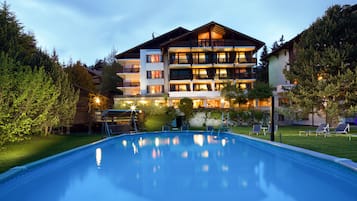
<point>182,166</point>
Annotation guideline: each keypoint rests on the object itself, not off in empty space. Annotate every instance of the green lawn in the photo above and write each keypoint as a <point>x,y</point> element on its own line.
<point>38,147</point>
<point>334,144</point>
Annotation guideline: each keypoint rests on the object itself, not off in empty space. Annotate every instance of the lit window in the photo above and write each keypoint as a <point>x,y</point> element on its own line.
<point>219,86</point>
<point>200,73</point>
<point>153,58</point>
<point>242,57</point>
<point>179,87</point>
<point>222,73</point>
<point>202,87</point>
<point>155,74</point>
<point>222,57</point>
<point>155,89</point>
<point>184,58</point>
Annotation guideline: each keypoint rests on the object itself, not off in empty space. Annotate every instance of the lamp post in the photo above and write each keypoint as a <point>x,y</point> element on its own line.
<point>324,103</point>
<point>272,126</point>
<point>132,108</point>
<point>321,80</point>
<point>93,105</point>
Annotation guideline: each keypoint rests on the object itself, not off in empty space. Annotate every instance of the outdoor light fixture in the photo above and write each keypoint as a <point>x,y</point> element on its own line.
<point>97,100</point>
<point>132,108</point>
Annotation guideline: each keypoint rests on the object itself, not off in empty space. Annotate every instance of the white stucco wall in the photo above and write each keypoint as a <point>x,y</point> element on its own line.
<point>144,82</point>
<point>277,63</point>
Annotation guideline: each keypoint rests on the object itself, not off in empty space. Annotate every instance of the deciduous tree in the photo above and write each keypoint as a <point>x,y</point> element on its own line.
<point>27,97</point>
<point>186,107</point>
<point>233,94</point>
<point>78,74</point>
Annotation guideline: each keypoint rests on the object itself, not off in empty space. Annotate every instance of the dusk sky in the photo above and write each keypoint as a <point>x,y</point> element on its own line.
<point>89,30</point>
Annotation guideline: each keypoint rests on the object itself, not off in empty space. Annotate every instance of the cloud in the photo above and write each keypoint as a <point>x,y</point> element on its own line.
<point>89,30</point>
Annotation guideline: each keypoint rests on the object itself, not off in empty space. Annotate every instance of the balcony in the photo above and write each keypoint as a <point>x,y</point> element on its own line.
<point>194,94</point>
<point>246,60</point>
<point>196,58</point>
<point>180,74</point>
<point>214,76</point>
<point>129,84</point>
<point>202,77</point>
<point>246,76</point>
<point>224,76</point>
<point>209,43</point>
<point>180,77</point>
<point>130,70</point>
<point>284,88</point>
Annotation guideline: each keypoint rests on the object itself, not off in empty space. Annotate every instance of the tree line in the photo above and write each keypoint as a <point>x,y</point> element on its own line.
<point>36,94</point>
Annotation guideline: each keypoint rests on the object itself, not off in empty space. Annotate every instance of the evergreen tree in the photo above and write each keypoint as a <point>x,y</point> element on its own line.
<point>35,93</point>
<point>78,74</point>
<point>324,69</point>
<point>260,90</point>
<point>66,104</point>
<point>275,46</point>
<point>281,41</point>
<point>110,80</point>
<point>262,71</point>
<point>17,44</point>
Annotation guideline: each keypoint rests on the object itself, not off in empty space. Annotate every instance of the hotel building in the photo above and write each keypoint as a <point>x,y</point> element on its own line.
<point>193,64</point>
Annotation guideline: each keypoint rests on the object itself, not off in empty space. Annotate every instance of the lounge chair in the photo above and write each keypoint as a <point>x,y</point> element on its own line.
<point>322,129</point>
<point>256,129</point>
<point>342,128</point>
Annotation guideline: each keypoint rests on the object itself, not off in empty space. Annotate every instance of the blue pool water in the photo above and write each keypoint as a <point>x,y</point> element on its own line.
<point>181,166</point>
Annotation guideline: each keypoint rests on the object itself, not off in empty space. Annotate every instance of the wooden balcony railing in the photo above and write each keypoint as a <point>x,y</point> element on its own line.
<point>129,84</point>
<point>209,58</point>
<point>130,70</point>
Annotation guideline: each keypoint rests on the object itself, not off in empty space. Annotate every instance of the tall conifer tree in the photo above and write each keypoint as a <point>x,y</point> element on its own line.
<point>325,65</point>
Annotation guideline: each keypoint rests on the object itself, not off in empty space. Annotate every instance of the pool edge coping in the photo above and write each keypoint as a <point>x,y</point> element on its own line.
<point>348,163</point>
<point>12,172</point>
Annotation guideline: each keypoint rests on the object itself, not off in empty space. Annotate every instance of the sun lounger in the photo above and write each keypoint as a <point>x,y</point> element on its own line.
<point>342,128</point>
<point>321,129</point>
<point>256,129</point>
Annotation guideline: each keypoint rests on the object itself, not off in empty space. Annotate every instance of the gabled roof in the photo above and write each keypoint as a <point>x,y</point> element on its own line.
<point>244,39</point>
<point>151,44</point>
<point>184,34</point>
<point>287,45</point>
<point>94,72</point>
